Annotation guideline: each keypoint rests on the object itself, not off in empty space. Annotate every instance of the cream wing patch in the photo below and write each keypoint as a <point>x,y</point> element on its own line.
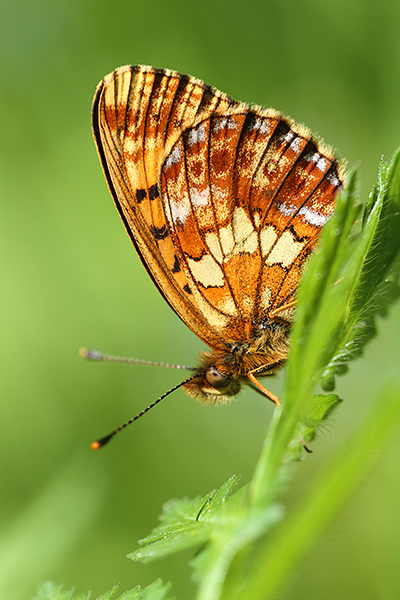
<point>206,271</point>
<point>286,250</point>
<point>213,244</point>
<point>248,245</point>
<point>268,237</point>
<point>246,240</point>
<point>227,239</point>
<point>266,296</point>
<point>229,307</point>
<point>242,226</point>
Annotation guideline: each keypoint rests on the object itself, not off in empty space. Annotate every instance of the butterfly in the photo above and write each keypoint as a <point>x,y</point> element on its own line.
<point>224,202</point>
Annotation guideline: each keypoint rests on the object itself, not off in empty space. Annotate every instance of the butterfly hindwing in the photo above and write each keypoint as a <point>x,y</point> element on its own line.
<point>245,196</point>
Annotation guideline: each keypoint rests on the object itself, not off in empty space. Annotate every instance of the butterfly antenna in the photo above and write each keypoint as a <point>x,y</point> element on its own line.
<point>104,440</point>
<point>95,355</point>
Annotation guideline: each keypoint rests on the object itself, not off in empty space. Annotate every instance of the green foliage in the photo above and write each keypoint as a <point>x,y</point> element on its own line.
<point>319,409</point>
<point>246,544</point>
<point>70,277</point>
<point>377,284</point>
<point>290,542</point>
<point>51,591</point>
<point>350,280</point>
<point>220,518</point>
<point>187,523</point>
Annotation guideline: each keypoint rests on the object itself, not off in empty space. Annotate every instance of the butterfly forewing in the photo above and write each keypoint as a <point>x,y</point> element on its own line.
<point>223,202</point>
<point>138,114</point>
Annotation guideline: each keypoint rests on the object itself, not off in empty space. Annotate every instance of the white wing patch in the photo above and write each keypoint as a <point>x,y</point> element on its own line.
<point>313,217</point>
<point>331,177</point>
<point>286,209</point>
<point>180,209</point>
<point>296,144</point>
<point>224,123</point>
<point>197,135</point>
<point>174,157</point>
<point>262,125</point>
<point>322,164</point>
<point>200,198</point>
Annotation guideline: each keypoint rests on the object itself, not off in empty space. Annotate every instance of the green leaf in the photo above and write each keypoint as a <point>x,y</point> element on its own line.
<point>186,523</point>
<point>52,591</point>
<point>155,591</point>
<point>319,409</point>
<point>109,595</point>
<point>334,310</point>
<point>219,522</point>
<point>377,284</point>
<point>212,563</point>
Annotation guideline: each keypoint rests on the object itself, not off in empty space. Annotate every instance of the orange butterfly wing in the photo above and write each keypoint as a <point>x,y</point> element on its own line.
<point>223,202</point>
<point>138,114</point>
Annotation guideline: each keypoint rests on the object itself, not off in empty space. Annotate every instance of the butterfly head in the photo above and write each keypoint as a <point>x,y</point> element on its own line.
<point>212,383</point>
<point>221,372</point>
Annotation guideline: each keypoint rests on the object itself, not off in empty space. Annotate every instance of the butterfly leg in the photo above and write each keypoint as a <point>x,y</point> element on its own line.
<point>281,308</point>
<point>263,389</point>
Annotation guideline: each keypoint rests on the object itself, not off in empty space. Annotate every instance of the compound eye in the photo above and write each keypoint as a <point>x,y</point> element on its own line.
<point>215,378</point>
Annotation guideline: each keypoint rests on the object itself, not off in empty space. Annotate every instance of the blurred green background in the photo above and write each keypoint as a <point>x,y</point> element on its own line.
<point>70,277</point>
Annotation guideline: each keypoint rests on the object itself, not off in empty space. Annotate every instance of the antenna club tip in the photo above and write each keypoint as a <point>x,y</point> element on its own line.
<point>95,445</point>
